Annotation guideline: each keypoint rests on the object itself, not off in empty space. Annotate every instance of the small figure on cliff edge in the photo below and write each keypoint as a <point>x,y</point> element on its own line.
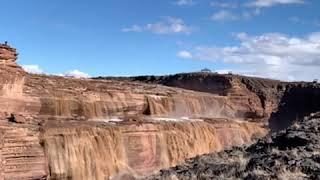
<point>6,43</point>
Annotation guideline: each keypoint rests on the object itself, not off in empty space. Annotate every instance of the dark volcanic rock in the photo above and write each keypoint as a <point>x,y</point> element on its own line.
<point>293,153</point>
<point>298,100</point>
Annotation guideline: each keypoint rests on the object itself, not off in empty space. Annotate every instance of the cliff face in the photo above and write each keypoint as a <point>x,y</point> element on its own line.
<point>298,101</point>
<point>95,129</point>
<point>289,154</point>
<point>61,97</point>
<point>254,98</point>
<point>21,155</point>
<point>66,128</point>
<point>100,151</point>
<point>8,55</point>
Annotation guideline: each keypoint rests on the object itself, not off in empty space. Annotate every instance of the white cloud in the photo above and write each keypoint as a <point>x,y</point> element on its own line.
<point>270,55</point>
<point>169,25</point>
<point>184,2</point>
<point>223,71</point>
<point>224,4</point>
<point>32,68</point>
<point>77,74</point>
<point>251,13</point>
<point>35,69</point>
<point>269,3</point>
<point>184,54</point>
<point>248,9</point>
<point>224,15</point>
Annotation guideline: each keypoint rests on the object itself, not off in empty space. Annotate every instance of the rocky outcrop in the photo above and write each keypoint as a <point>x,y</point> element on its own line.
<point>8,55</point>
<point>289,154</point>
<point>8,58</point>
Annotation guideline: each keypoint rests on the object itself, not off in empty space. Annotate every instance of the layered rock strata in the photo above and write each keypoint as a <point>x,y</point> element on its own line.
<point>103,151</point>
<point>66,128</point>
<point>255,98</point>
<point>55,127</point>
<point>277,103</point>
<point>289,154</point>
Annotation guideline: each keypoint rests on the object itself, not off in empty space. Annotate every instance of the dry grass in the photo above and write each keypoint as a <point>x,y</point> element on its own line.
<point>291,175</point>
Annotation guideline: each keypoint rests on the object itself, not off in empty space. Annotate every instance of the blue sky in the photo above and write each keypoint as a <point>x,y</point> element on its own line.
<point>270,38</point>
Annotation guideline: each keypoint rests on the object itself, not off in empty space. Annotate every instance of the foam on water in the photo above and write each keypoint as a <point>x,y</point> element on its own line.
<point>108,120</point>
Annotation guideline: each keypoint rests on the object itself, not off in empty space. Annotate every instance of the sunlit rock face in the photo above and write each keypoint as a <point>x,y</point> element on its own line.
<point>102,151</point>
<point>48,96</point>
<point>254,98</point>
<point>21,154</point>
<point>66,128</point>
<point>289,154</point>
<point>8,55</point>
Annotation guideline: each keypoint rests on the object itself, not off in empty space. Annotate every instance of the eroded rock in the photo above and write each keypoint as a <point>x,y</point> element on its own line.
<point>290,154</point>
<point>67,128</point>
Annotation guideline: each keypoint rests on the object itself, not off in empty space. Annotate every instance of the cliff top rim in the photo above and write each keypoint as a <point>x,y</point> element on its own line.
<point>6,46</point>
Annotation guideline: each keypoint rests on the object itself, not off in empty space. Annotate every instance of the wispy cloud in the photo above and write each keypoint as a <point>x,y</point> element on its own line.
<point>133,28</point>
<point>224,15</point>
<point>77,74</point>
<point>32,68</point>
<point>184,2</point>
<point>251,13</point>
<point>247,9</point>
<point>301,21</point>
<point>270,55</point>
<point>219,4</point>
<point>36,69</point>
<point>169,25</point>
<point>269,3</point>
<point>184,54</point>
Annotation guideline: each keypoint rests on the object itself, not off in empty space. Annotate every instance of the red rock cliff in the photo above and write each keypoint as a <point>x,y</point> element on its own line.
<point>57,127</point>
<point>254,98</point>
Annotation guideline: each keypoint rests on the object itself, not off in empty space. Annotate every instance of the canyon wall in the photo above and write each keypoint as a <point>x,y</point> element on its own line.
<point>298,100</point>
<point>282,103</point>
<point>98,150</point>
<point>289,154</point>
<point>54,127</point>
<point>255,98</point>
<point>66,128</point>
<point>93,151</point>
